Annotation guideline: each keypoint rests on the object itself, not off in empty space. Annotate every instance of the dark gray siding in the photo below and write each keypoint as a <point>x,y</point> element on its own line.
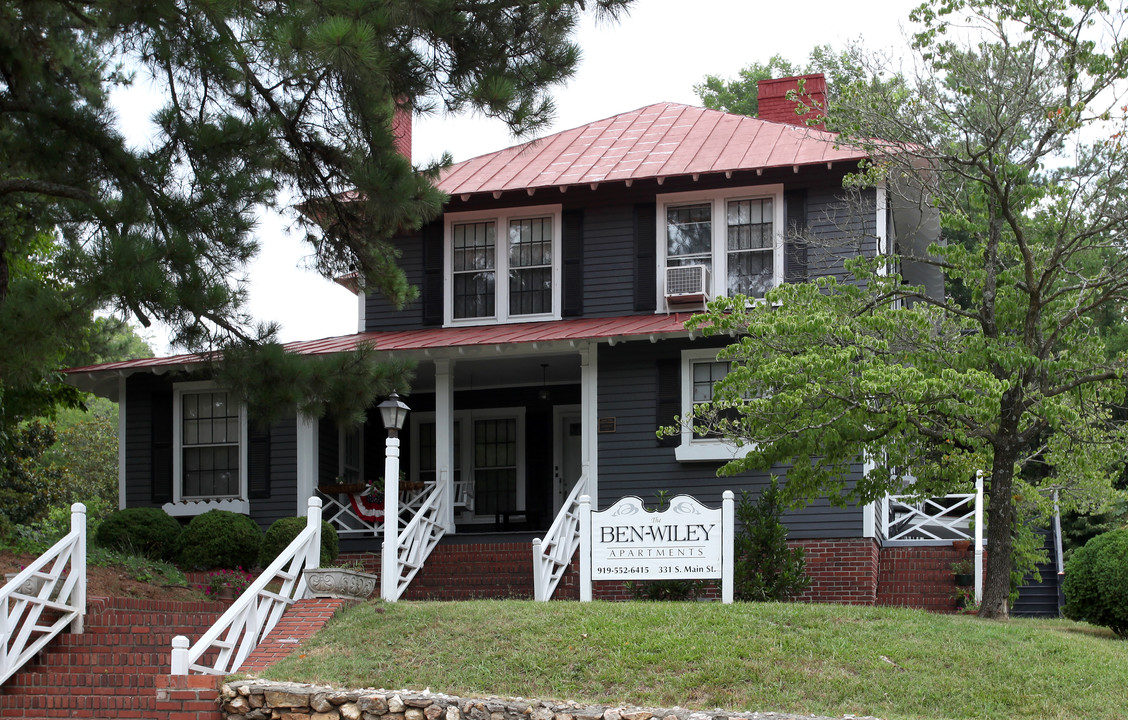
<point>328,452</point>
<point>841,227</point>
<point>379,314</point>
<point>609,261</point>
<point>632,463</point>
<point>283,475</point>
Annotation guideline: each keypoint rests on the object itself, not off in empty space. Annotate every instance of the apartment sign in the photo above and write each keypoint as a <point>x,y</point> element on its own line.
<point>685,541</point>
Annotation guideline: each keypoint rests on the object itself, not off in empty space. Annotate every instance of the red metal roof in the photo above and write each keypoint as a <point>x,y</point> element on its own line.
<point>660,140</point>
<point>627,327</point>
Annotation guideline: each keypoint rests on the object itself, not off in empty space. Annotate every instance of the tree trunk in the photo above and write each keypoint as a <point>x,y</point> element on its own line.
<point>1000,522</point>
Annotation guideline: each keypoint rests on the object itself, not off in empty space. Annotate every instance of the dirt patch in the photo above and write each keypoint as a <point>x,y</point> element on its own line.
<point>112,582</point>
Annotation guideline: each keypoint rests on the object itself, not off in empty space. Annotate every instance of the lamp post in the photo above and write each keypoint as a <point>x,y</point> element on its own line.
<point>393,411</point>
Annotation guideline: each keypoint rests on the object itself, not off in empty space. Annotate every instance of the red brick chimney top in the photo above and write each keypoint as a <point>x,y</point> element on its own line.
<point>401,129</point>
<point>775,107</point>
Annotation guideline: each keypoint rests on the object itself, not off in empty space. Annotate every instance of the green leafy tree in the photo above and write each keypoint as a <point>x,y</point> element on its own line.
<point>265,104</point>
<point>1013,129</point>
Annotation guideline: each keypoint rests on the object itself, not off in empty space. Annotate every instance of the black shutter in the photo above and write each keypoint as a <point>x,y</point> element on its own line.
<point>258,462</point>
<point>160,489</point>
<point>669,399</point>
<point>795,243</point>
<point>645,242</point>
<point>572,252</point>
<point>433,273</point>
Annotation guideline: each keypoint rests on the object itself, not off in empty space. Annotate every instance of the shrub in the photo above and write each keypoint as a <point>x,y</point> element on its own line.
<point>1096,582</point>
<point>283,531</point>
<point>220,539</point>
<point>146,531</point>
<point>766,569</point>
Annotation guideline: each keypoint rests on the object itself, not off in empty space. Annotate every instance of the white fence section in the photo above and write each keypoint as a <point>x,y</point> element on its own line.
<point>252,616</point>
<point>553,553</point>
<point>343,517</point>
<point>420,536</point>
<point>44,598</point>
<point>916,520</point>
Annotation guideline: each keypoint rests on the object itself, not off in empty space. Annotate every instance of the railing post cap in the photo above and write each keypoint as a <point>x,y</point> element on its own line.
<point>78,508</point>
<point>728,495</point>
<point>536,542</point>
<point>314,501</point>
<point>585,499</point>
<point>180,642</point>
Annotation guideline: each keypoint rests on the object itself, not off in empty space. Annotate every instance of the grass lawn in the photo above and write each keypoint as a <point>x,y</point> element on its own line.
<point>798,658</point>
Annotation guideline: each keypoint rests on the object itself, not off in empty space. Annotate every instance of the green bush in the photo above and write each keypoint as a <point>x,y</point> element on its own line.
<point>220,539</point>
<point>283,531</point>
<point>1096,582</point>
<point>146,531</point>
<point>766,569</point>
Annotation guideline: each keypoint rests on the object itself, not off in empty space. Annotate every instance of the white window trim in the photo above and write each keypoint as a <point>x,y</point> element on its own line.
<point>466,428</point>
<point>502,219</point>
<point>192,505</point>
<point>694,449</point>
<point>717,198</point>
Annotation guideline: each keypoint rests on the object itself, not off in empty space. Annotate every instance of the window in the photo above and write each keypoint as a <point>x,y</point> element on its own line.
<point>700,373</point>
<point>503,266</point>
<point>490,444</point>
<point>734,234</point>
<point>210,437</point>
<point>350,455</point>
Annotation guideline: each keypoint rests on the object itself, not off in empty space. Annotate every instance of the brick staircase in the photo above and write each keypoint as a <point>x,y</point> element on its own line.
<point>111,670</point>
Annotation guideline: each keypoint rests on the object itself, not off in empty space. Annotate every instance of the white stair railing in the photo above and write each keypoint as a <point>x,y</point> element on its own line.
<point>224,647</point>
<point>420,536</point>
<point>54,583</point>
<point>916,520</point>
<point>553,554</point>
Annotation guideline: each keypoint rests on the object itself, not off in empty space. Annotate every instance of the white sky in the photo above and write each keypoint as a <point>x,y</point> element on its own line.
<point>655,54</point>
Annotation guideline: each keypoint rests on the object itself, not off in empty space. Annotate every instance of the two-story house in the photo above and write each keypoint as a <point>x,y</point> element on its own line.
<point>550,346</point>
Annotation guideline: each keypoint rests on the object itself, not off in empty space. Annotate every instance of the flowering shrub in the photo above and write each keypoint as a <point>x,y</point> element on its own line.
<point>238,580</point>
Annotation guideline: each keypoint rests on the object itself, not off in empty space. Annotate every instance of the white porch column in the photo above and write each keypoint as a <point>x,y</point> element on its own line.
<point>307,461</point>
<point>444,434</point>
<point>589,397</point>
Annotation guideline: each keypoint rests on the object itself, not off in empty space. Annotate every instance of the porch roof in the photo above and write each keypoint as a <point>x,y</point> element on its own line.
<point>612,329</point>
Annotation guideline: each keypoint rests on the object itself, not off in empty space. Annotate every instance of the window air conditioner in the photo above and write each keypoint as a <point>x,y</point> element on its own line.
<point>687,284</point>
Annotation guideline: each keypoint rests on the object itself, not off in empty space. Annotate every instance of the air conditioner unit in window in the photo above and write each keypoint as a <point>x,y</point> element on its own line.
<point>686,284</point>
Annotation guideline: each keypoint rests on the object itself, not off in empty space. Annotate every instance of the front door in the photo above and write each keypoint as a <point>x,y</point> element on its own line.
<point>567,453</point>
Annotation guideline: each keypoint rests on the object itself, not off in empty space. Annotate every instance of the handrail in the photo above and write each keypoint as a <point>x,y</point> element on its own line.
<point>552,555</point>
<point>254,613</point>
<point>37,588</point>
<point>913,519</point>
<point>420,536</point>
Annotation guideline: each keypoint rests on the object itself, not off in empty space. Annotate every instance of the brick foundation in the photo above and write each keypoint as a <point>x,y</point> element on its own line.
<point>919,577</point>
<point>841,570</point>
<point>189,697</point>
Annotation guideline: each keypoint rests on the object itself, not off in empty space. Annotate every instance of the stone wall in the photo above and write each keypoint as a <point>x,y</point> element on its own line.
<point>259,700</point>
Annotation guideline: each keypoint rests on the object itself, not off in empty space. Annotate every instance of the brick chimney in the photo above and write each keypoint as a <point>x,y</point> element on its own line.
<point>775,107</point>
<point>401,129</point>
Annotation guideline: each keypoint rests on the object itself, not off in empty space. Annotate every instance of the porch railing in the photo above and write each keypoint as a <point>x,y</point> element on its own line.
<point>252,616</point>
<point>349,524</point>
<point>420,536</point>
<point>44,598</point>
<point>917,520</point>
<point>553,554</point>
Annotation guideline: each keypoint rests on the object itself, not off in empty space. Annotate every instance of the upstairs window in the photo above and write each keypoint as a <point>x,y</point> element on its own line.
<point>735,235</point>
<point>503,266</point>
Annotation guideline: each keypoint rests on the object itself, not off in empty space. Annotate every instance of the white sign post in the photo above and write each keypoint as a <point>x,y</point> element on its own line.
<point>685,541</point>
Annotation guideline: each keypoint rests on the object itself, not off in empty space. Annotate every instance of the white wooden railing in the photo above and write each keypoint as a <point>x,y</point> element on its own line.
<point>917,520</point>
<point>420,536</point>
<point>553,554</point>
<point>348,524</point>
<point>252,616</point>
<point>55,584</point>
